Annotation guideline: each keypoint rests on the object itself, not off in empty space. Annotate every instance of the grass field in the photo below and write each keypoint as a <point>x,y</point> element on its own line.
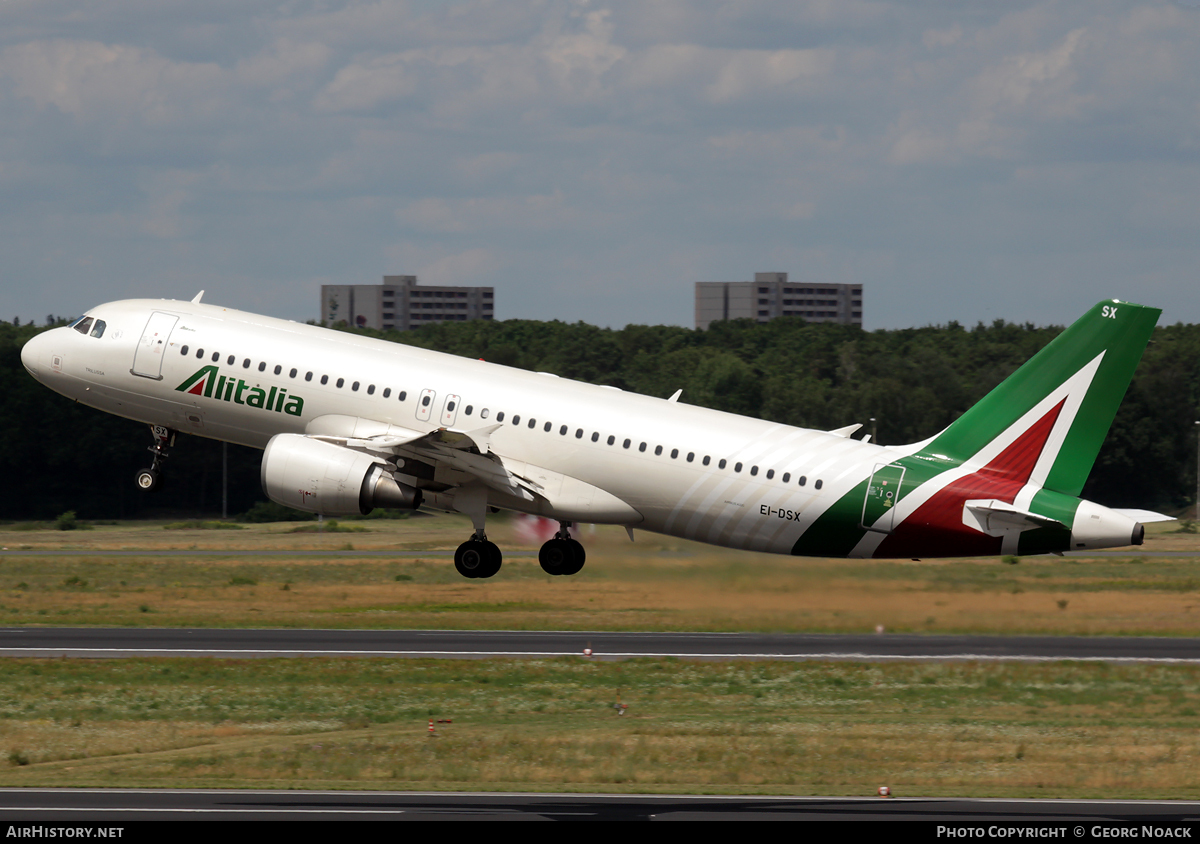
<point>655,583</point>
<point>816,728</point>
<point>1065,730</point>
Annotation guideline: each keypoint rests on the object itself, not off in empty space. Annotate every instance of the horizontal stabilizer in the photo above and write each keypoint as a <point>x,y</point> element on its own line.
<point>1145,516</point>
<point>994,517</point>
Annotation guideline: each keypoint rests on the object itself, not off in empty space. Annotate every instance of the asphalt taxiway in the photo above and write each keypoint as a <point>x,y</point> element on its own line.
<point>1078,818</point>
<point>250,643</point>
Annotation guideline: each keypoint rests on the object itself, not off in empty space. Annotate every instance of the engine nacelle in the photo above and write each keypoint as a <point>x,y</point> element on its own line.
<point>320,477</point>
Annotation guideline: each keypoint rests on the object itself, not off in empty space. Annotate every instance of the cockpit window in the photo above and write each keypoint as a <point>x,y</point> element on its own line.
<point>98,328</point>
<point>84,325</point>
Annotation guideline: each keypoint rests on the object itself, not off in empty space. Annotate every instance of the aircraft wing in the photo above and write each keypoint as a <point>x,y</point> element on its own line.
<point>368,435</point>
<point>470,452</point>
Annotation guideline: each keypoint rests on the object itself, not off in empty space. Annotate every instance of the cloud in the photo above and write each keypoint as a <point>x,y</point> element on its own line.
<point>485,214</point>
<point>92,81</point>
<point>593,159</point>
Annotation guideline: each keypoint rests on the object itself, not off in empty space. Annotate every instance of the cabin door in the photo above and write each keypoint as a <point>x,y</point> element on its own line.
<point>147,360</point>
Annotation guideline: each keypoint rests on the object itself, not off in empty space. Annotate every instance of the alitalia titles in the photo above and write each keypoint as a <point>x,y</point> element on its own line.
<point>210,383</point>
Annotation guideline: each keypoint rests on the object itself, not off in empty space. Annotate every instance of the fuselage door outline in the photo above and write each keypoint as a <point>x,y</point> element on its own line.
<point>425,404</point>
<point>450,410</point>
<point>148,359</point>
<point>879,503</point>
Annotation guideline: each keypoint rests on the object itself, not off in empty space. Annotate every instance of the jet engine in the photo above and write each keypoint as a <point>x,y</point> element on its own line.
<point>320,477</point>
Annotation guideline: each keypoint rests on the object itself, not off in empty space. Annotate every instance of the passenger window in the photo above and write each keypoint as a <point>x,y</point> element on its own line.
<point>517,419</point>
<point>691,456</point>
<point>387,392</point>
<point>532,423</point>
<point>595,436</point>
<point>818,484</point>
<point>246,363</point>
<point>562,432</point>
<point>184,350</point>
<point>737,467</point>
<point>278,369</point>
<point>199,353</point>
<point>403,395</point>
<point>611,439</point>
<point>353,386</point>
<point>579,433</point>
<point>483,414</point>
<point>262,366</point>
<point>753,470</point>
<point>770,474</point>
<point>216,357</point>
<point>803,480</point>
<point>642,447</point>
<point>340,383</point>
<point>230,360</point>
<point>787,476</point>
<point>324,380</point>
<point>674,453</point>
<point>721,465</point>
<point>292,374</point>
<point>626,444</point>
<point>657,450</point>
<point>500,416</point>
<point>706,460</point>
<point>547,427</point>
<point>449,405</point>
<point>371,390</point>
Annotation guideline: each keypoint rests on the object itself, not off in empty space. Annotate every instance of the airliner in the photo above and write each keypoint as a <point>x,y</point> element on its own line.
<point>349,423</point>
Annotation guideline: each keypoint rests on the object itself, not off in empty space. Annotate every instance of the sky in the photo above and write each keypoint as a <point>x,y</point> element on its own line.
<point>964,161</point>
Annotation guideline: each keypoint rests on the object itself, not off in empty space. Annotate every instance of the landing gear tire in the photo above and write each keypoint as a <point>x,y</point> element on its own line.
<point>147,480</point>
<point>580,557</point>
<point>478,558</point>
<point>561,556</point>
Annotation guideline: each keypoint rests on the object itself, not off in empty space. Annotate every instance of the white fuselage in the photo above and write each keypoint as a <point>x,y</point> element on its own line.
<point>747,494</point>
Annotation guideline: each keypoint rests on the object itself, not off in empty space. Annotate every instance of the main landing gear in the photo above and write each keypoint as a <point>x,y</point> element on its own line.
<point>478,557</point>
<point>562,554</point>
<point>149,479</point>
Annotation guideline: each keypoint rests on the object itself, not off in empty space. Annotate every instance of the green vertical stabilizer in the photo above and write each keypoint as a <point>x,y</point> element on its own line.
<point>1117,333</point>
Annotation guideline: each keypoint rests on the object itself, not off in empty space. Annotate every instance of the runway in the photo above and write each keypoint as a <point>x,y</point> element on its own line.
<point>469,644</point>
<point>1079,818</point>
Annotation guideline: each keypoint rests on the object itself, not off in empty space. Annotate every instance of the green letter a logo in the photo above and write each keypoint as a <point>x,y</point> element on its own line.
<point>201,383</point>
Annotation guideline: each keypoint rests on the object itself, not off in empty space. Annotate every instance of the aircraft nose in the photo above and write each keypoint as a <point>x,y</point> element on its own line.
<point>34,355</point>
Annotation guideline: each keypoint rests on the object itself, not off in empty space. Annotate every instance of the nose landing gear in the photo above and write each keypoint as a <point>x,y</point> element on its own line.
<point>562,554</point>
<point>150,479</point>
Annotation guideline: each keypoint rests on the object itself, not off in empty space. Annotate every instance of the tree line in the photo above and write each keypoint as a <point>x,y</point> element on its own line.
<point>62,456</point>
